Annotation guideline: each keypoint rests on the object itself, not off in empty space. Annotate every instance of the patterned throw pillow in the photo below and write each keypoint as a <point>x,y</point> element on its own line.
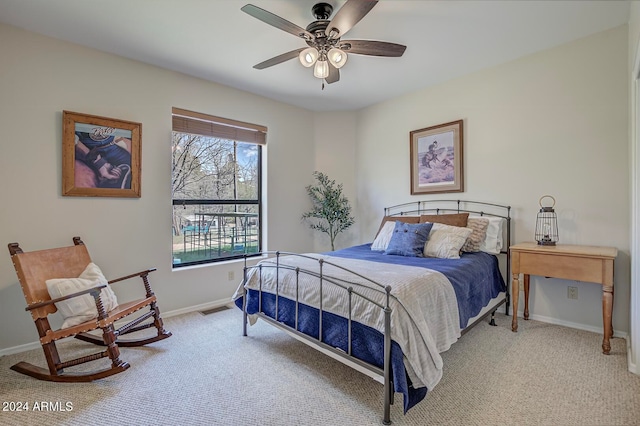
<point>446,241</point>
<point>478,225</point>
<point>409,239</point>
<point>493,240</point>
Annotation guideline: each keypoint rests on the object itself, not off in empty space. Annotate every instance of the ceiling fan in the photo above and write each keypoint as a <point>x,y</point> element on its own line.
<point>326,50</point>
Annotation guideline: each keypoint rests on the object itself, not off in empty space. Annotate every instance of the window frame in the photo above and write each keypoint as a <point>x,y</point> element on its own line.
<point>246,131</point>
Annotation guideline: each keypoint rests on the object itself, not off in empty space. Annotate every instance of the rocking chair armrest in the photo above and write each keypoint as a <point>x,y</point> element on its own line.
<point>137,274</point>
<point>97,288</point>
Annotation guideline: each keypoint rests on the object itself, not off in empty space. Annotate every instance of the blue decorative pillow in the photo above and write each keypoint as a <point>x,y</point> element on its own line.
<point>408,239</point>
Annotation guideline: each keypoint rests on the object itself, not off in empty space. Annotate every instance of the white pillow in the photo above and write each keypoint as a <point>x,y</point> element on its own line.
<point>493,240</point>
<point>83,308</point>
<point>445,241</point>
<point>384,236</point>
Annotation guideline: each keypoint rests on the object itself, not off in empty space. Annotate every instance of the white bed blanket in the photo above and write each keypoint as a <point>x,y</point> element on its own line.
<point>424,319</point>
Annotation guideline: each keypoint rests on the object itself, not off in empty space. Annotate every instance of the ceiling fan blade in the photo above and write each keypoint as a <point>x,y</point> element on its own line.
<point>349,14</point>
<point>372,48</point>
<point>276,21</point>
<point>279,59</point>
<point>334,74</point>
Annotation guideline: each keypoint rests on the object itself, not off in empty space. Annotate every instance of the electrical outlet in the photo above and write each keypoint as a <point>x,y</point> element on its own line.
<point>232,275</point>
<point>572,292</point>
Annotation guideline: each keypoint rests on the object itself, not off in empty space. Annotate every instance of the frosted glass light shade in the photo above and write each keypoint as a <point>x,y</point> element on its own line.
<point>308,56</point>
<point>321,70</point>
<point>337,57</point>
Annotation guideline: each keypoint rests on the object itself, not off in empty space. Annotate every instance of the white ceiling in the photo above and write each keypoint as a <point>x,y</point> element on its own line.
<point>215,40</point>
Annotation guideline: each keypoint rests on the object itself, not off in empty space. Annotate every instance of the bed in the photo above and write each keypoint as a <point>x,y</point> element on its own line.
<point>382,310</point>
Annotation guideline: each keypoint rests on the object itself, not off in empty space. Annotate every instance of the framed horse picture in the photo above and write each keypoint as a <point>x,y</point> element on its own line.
<point>436,159</point>
<point>101,156</point>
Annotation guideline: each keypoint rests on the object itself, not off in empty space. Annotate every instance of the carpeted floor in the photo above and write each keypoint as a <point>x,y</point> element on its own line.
<point>208,374</point>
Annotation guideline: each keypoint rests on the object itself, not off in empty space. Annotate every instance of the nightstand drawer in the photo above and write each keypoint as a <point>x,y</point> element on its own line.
<point>564,267</point>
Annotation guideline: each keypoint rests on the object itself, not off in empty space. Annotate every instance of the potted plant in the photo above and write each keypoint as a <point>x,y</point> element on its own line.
<point>331,211</point>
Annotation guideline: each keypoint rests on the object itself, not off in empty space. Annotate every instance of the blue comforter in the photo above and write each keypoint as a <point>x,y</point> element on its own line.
<point>475,278</point>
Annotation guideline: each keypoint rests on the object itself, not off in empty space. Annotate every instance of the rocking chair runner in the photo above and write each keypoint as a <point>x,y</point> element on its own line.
<point>34,268</point>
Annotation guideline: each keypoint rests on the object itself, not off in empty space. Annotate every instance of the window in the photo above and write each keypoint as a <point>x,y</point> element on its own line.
<point>216,188</point>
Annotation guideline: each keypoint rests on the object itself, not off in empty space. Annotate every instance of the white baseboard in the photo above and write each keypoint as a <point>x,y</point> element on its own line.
<point>633,367</point>
<point>219,303</point>
<point>197,308</point>
<point>168,314</point>
<point>20,348</point>
<point>549,320</point>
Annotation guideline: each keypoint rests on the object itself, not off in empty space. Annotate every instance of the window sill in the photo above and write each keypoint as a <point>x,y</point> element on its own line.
<point>251,260</point>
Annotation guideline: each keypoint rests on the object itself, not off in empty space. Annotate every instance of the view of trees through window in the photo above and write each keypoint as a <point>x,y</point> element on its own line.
<point>216,198</point>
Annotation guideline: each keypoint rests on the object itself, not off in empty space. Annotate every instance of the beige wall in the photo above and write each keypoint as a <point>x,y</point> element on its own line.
<point>555,122</point>
<point>335,156</point>
<point>40,77</point>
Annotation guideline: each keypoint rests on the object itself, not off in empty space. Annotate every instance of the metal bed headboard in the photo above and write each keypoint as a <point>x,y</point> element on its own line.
<point>417,208</point>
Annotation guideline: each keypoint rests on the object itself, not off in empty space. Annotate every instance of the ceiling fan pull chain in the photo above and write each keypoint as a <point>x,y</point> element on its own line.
<point>322,84</point>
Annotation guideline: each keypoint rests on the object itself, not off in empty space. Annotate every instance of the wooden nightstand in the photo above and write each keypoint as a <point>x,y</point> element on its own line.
<point>581,263</point>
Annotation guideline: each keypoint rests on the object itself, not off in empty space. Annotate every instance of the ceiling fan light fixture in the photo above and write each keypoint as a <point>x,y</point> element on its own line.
<point>321,70</point>
<point>325,49</point>
<point>308,56</point>
<point>337,57</point>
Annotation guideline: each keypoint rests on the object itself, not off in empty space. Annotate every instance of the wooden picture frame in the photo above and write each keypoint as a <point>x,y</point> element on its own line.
<point>436,159</point>
<point>101,156</point>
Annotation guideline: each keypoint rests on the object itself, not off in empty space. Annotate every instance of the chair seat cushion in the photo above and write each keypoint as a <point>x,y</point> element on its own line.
<point>82,308</point>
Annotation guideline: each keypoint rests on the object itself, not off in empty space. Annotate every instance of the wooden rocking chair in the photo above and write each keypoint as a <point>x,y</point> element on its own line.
<point>34,268</point>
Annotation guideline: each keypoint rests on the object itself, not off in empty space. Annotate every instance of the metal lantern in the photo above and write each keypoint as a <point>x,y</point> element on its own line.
<point>547,224</point>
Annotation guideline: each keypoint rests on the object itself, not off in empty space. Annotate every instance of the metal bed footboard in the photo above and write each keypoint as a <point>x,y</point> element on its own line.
<point>351,289</point>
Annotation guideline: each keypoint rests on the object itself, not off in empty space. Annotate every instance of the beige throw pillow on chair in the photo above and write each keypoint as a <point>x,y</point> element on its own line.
<point>83,308</point>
